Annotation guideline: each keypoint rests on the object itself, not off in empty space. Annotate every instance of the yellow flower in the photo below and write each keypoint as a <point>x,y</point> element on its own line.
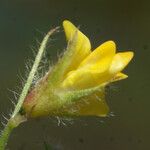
<point>92,69</point>
<point>76,84</point>
<point>103,65</point>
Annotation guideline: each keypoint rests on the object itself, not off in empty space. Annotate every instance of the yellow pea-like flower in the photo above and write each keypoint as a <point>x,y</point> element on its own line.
<point>100,66</point>
<point>76,84</point>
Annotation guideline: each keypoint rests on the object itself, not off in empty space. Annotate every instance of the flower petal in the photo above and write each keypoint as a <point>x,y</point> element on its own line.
<point>100,59</point>
<point>92,71</point>
<point>120,61</point>
<point>80,44</point>
<point>94,105</point>
<point>83,79</point>
<point>79,79</point>
<point>78,48</point>
<point>119,76</point>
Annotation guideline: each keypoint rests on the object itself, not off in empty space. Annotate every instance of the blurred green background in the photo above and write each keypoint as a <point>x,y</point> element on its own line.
<point>127,22</point>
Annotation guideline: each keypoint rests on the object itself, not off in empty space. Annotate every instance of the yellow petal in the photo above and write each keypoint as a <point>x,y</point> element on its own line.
<point>83,79</point>
<point>92,105</point>
<point>92,71</point>
<point>79,79</point>
<point>119,76</point>
<point>100,59</point>
<point>120,61</point>
<point>80,44</point>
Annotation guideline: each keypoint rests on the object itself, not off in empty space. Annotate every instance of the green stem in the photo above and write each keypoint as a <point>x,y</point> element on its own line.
<point>11,124</point>
<point>5,135</point>
<point>14,121</point>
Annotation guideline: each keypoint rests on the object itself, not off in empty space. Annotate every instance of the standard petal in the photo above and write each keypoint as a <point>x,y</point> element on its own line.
<point>78,48</point>
<point>120,61</point>
<point>100,59</point>
<point>79,44</point>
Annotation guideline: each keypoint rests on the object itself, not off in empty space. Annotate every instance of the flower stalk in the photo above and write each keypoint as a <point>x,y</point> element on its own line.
<point>11,124</point>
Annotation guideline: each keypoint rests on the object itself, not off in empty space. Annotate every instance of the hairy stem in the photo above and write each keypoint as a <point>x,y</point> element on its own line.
<point>11,124</point>
<point>14,121</point>
<point>32,72</point>
<point>5,135</point>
